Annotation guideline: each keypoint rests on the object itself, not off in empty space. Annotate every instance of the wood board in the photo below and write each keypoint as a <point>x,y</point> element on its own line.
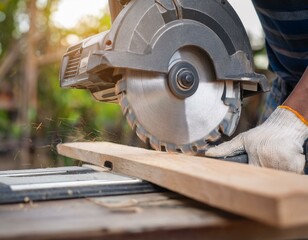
<point>272,197</point>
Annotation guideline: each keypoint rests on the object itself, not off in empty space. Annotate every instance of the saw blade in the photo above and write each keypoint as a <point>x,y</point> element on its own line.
<point>167,121</point>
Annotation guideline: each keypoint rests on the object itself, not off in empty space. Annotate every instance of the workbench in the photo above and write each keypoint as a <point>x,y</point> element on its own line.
<point>160,215</point>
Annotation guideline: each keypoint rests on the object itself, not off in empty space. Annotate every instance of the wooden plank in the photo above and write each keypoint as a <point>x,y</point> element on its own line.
<point>273,197</point>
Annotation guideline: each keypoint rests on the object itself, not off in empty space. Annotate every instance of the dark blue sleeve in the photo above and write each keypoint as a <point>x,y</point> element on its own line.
<point>285,24</point>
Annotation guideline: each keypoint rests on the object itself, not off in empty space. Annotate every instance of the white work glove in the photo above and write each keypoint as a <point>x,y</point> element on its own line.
<point>277,143</point>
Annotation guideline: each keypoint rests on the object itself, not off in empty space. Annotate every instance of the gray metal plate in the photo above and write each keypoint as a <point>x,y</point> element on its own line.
<point>66,182</point>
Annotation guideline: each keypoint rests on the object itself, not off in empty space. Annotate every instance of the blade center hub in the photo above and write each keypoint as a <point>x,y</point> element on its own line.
<point>183,80</point>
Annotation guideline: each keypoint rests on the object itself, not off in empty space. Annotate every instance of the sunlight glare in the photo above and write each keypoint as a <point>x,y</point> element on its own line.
<point>250,20</point>
<point>69,12</point>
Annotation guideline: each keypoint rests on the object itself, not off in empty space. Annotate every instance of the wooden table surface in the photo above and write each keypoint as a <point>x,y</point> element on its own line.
<point>145,216</point>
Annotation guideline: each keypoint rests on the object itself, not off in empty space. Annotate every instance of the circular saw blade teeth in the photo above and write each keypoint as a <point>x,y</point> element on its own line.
<point>120,87</point>
<point>169,148</point>
<point>123,103</point>
<point>201,145</point>
<point>155,144</point>
<point>142,133</point>
<point>127,91</point>
<point>131,119</point>
<point>191,149</point>
<point>188,149</point>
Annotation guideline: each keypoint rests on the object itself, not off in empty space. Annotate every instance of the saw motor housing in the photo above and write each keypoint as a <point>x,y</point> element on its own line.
<point>145,36</point>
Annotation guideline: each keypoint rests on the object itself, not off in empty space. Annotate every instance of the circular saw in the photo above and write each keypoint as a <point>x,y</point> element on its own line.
<point>178,68</point>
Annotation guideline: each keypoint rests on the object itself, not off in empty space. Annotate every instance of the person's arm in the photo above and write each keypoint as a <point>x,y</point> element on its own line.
<point>298,99</point>
<point>278,142</point>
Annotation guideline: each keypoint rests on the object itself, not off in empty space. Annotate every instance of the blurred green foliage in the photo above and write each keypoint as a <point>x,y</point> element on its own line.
<point>7,23</point>
<point>62,115</point>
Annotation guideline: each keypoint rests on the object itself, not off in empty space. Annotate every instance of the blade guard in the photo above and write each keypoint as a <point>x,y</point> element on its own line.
<point>147,33</point>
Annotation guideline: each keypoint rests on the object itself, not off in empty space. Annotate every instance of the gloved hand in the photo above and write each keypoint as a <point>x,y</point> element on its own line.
<point>277,143</point>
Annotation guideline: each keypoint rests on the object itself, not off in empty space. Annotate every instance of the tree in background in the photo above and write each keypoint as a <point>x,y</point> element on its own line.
<point>35,114</point>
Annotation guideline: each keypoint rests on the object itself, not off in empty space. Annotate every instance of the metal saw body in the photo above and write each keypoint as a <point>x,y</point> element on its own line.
<point>178,68</point>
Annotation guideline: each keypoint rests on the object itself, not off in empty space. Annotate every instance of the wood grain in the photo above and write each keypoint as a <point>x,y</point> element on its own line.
<point>273,197</point>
